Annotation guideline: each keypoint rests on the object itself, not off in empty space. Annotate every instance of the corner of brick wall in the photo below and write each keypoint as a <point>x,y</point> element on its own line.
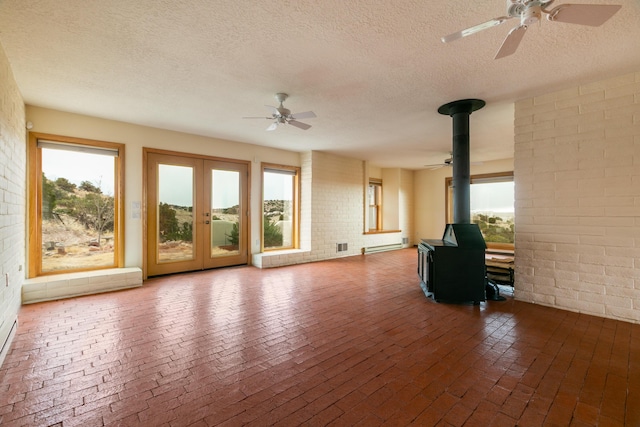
<point>577,178</point>
<point>12,197</point>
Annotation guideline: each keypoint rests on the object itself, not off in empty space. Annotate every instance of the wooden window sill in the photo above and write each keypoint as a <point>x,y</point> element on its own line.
<point>381,231</point>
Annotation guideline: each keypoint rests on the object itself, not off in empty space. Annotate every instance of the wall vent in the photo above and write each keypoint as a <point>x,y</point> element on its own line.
<point>405,240</point>
<point>341,247</point>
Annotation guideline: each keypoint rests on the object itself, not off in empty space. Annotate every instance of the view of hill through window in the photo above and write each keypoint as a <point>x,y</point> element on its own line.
<point>77,210</point>
<point>278,209</point>
<point>492,208</point>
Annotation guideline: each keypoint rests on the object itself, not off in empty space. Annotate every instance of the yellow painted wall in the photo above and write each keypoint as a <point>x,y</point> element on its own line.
<point>136,137</point>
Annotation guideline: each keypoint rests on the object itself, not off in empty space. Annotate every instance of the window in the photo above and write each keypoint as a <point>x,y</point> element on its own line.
<point>280,206</point>
<point>76,204</point>
<point>492,207</point>
<point>375,204</point>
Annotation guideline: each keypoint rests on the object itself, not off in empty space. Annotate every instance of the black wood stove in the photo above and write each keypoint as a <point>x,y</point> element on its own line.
<point>452,269</point>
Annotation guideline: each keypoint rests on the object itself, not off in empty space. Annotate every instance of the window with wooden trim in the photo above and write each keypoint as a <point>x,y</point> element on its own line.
<point>75,199</point>
<point>374,195</point>
<point>492,207</point>
<point>280,206</point>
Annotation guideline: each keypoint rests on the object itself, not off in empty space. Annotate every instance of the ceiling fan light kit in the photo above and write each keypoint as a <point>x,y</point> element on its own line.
<point>530,12</point>
<point>282,116</point>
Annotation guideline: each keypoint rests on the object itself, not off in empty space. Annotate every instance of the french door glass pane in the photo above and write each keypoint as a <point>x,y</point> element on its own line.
<point>278,210</point>
<point>225,213</point>
<point>175,213</point>
<point>77,210</point>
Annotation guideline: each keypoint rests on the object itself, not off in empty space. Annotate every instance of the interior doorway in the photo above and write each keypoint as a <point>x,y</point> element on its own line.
<point>197,212</point>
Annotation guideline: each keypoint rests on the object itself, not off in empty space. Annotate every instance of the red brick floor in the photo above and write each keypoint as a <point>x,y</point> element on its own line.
<point>352,341</point>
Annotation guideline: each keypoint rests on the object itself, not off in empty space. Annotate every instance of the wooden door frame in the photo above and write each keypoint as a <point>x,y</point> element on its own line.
<point>145,182</point>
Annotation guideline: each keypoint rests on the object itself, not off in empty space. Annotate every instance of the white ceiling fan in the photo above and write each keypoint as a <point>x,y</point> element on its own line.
<point>531,11</point>
<point>281,115</point>
<point>448,162</point>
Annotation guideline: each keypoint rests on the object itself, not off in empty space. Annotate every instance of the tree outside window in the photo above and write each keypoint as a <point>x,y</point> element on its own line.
<point>280,211</point>
<point>77,219</point>
<point>492,207</point>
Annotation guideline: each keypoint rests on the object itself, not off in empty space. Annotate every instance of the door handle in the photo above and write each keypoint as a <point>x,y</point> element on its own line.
<point>206,222</point>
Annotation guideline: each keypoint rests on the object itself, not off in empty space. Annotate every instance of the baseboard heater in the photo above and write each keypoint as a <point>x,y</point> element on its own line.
<point>6,342</point>
<point>381,248</point>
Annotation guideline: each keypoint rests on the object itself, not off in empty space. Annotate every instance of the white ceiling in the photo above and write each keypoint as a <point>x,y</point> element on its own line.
<point>373,71</point>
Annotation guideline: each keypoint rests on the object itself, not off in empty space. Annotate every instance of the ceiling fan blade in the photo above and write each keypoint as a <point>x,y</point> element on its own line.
<point>269,118</point>
<point>273,126</point>
<point>474,29</point>
<point>304,115</point>
<point>273,110</point>
<point>298,124</point>
<point>583,14</point>
<point>449,163</point>
<point>511,43</point>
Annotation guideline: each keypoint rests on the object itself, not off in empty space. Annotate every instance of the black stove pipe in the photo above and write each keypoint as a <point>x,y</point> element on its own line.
<point>460,112</point>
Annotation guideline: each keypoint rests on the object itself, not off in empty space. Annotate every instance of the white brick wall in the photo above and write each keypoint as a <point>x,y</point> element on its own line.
<point>577,177</point>
<point>337,205</point>
<point>332,211</point>
<point>12,199</point>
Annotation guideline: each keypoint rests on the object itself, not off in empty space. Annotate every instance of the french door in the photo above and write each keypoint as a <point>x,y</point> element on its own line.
<point>197,213</point>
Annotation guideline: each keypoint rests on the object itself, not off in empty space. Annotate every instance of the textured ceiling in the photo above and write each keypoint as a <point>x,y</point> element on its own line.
<point>373,71</point>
